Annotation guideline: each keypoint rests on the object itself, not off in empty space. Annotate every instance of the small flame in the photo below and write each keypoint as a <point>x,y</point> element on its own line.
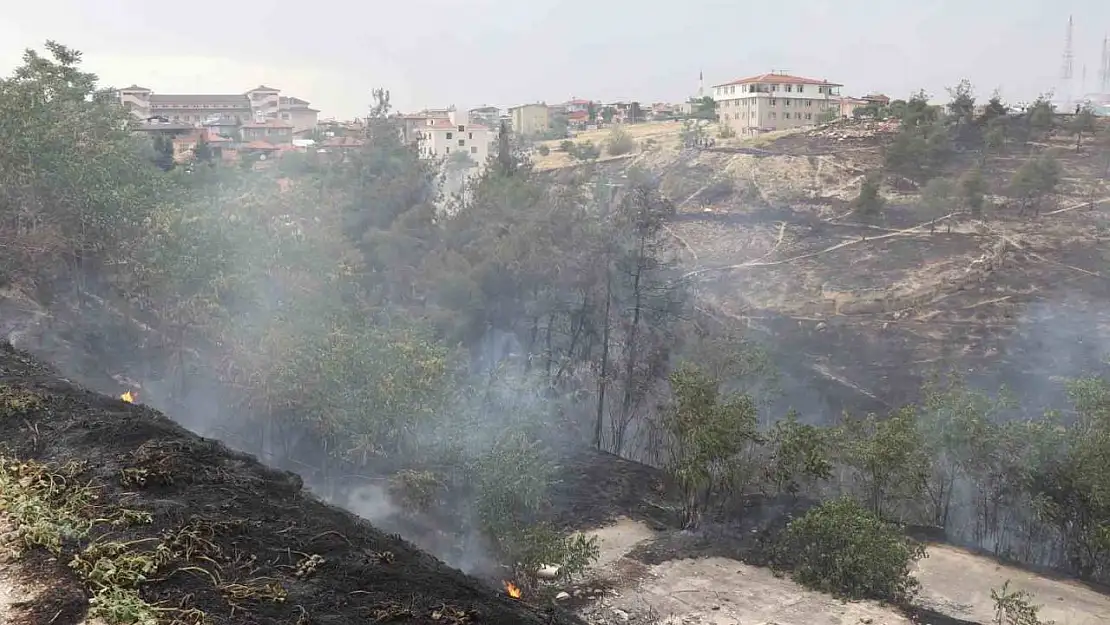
<point>512,589</point>
<point>128,397</point>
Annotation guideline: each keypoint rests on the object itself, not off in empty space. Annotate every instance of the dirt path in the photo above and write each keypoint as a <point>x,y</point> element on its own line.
<point>710,591</point>
<point>722,591</point>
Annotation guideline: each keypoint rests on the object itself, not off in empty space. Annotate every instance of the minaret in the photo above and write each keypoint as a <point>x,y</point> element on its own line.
<point>701,84</point>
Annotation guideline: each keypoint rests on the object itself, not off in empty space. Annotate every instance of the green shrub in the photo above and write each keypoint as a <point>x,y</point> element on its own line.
<point>619,142</point>
<point>842,548</point>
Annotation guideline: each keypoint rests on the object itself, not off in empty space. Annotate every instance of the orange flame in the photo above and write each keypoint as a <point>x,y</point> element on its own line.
<point>128,397</point>
<point>512,589</point>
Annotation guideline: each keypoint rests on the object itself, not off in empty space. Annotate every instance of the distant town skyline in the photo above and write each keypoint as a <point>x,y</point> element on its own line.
<point>503,53</point>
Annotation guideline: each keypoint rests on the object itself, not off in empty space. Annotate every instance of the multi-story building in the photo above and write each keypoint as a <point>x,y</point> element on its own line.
<point>440,138</point>
<point>775,101</point>
<point>487,116</point>
<point>530,119</point>
<point>262,101</point>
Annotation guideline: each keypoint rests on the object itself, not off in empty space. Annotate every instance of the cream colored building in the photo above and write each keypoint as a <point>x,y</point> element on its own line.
<point>530,119</point>
<point>440,138</point>
<point>774,101</point>
<point>261,102</point>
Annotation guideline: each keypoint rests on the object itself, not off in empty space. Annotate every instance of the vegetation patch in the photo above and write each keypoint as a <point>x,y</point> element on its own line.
<point>841,548</point>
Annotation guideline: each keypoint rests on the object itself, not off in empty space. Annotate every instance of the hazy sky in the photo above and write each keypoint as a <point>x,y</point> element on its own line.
<point>504,52</point>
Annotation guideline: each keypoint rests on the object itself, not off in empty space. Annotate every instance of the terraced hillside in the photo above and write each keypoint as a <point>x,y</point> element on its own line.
<point>767,230</point>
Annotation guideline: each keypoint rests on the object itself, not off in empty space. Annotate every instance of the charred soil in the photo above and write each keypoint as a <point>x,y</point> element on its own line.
<point>111,505</point>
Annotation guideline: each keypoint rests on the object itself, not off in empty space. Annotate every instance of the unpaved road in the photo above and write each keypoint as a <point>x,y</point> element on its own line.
<point>721,591</point>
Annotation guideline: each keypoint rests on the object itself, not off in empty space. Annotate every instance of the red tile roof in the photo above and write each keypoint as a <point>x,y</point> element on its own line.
<point>342,142</point>
<point>445,124</point>
<point>780,79</point>
<point>269,123</point>
<point>577,101</point>
<point>260,145</point>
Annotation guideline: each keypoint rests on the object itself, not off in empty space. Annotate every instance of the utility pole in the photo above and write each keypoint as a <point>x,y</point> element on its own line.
<point>1069,61</point>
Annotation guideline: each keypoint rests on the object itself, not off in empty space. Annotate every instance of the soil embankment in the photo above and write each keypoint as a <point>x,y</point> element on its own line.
<point>152,519</point>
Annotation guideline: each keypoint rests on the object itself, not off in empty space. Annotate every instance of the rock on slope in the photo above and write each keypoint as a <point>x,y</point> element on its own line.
<point>151,519</point>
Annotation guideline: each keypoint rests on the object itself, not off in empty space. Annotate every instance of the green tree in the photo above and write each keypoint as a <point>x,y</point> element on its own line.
<point>78,182</point>
<point>1015,607</point>
<point>703,108</point>
<point>995,109</point>
<point>961,107</point>
<point>1040,116</point>
<point>799,456</point>
<point>619,142</point>
<point>828,115</point>
<point>842,548</point>
<point>973,189</point>
<point>937,196</point>
<point>1073,483</point>
<point>869,202</point>
<point>1036,179</point>
<point>887,456</point>
<point>708,434</point>
<point>1080,124</point>
<point>917,111</point>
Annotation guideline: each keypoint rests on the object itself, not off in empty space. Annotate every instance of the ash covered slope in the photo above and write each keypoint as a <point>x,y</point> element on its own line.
<point>231,539</point>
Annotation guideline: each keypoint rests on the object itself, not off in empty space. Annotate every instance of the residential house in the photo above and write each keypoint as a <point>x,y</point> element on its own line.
<point>272,131</point>
<point>199,108</point>
<point>774,101</point>
<point>487,116</point>
<point>185,145</point>
<point>530,119</point>
<point>440,138</point>
<point>877,98</point>
<point>848,105</point>
<point>577,112</point>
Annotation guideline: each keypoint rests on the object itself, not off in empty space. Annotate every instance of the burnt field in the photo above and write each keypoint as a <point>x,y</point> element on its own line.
<point>154,520</point>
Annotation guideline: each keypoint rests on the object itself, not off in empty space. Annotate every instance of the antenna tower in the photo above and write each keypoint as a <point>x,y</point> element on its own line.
<point>1069,61</point>
<point>1104,74</point>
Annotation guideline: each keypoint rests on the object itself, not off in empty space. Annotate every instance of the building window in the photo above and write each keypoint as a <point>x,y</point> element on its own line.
<point>462,128</point>
<point>789,88</point>
<point>470,135</point>
<point>786,102</point>
<point>773,102</point>
<point>446,150</point>
<point>462,143</point>
<point>801,88</point>
<point>450,136</point>
<point>809,102</point>
<point>797,115</point>
<point>809,115</point>
<point>473,149</point>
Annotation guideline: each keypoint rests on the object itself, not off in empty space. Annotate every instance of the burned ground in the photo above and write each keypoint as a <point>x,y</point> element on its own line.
<point>146,513</point>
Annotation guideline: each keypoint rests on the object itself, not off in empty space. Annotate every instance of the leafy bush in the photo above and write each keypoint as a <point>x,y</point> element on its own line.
<point>869,203</point>
<point>543,150</point>
<point>585,151</point>
<point>841,548</point>
<point>619,142</point>
<point>1015,607</point>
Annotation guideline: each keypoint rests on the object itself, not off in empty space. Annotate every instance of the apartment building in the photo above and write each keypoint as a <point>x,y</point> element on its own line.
<point>488,116</point>
<point>262,101</point>
<point>440,138</point>
<point>530,119</point>
<point>775,101</point>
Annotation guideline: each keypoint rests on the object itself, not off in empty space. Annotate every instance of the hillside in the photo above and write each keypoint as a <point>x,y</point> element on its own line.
<point>152,519</point>
<point>768,234</point>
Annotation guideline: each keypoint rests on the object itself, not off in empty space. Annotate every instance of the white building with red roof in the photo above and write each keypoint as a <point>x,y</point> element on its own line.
<point>775,101</point>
